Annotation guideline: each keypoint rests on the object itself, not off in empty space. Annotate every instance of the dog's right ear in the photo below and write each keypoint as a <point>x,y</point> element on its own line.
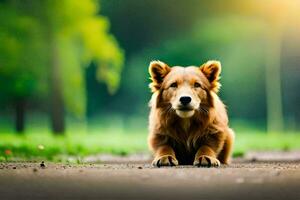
<point>157,70</point>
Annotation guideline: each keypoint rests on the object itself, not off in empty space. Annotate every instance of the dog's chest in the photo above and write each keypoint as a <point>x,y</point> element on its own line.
<point>184,155</point>
<point>188,139</point>
<point>186,125</point>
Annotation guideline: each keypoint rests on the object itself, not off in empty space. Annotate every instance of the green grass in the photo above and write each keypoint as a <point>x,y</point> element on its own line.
<point>266,142</point>
<point>79,141</point>
<point>113,140</point>
<point>80,145</point>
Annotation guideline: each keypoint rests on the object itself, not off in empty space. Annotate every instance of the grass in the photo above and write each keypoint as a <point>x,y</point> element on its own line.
<point>55,147</point>
<point>40,143</point>
<point>266,142</point>
<point>49,146</point>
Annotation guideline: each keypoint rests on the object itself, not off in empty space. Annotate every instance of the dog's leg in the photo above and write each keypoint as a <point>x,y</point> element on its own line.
<point>225,154</point>
<point>206,157</point>
<point>164,156</point>
<point>210,148</point>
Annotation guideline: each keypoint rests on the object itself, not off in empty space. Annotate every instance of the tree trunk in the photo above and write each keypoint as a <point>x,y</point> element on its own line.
<point>20,115</point>
<point>57,110</point>
<point>273,83</point>
<point>57,102</point>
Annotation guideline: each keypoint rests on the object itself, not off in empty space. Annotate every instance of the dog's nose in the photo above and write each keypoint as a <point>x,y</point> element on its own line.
<point>185,100</point>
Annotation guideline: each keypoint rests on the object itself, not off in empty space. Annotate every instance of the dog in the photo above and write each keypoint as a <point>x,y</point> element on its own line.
<point>188,123</point>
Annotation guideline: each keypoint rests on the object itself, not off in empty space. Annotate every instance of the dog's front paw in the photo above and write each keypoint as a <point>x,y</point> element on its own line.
<point>206,161</point>
<point>165,160</point>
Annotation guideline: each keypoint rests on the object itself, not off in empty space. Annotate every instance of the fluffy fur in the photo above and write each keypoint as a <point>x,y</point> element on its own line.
<point>197,133</point>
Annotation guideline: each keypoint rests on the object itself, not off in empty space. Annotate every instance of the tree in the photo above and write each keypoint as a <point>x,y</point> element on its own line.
<point>20,78</point>
<point>73,35</point>
<point>277,23</point>
<point>77,36</point>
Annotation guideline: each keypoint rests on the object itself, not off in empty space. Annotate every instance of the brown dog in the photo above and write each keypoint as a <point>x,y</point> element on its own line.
<point>188,121</point>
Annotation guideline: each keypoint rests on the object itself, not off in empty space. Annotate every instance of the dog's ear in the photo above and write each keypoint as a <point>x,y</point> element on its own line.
<point>157,70</point>
<point>211,70</point>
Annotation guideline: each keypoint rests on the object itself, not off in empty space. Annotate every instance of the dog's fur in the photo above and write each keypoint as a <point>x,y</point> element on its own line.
<point>196,133</point>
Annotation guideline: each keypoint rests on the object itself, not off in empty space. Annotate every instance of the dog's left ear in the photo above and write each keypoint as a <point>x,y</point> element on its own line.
<point>211,70</point>
<point>157,70</point>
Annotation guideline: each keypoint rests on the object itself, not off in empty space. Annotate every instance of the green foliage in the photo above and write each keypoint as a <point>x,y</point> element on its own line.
<point>82,37</point>
<point>20,69</point>
<point>70,34</point>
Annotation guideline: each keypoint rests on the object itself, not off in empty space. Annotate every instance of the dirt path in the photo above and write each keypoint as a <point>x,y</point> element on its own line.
<point>241,180</point>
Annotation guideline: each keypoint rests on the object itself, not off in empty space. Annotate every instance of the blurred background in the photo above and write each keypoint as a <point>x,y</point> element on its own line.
<point>74,74</point>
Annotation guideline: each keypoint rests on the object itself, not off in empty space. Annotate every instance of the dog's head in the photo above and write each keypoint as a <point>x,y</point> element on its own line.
<point>186,90</point>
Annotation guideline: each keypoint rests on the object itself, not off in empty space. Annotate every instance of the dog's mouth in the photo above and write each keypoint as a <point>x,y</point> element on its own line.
<point>185,108</point>
<point>185,112</point>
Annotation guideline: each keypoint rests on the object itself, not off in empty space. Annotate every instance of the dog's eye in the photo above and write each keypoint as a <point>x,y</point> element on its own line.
<point>197,85</point>
<point>173,85</point>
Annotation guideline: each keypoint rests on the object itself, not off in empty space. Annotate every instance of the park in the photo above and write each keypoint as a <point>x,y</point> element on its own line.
<point>74,97</point>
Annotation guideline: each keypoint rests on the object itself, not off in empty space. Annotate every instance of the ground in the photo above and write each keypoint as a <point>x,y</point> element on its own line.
<point>248,178</point>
